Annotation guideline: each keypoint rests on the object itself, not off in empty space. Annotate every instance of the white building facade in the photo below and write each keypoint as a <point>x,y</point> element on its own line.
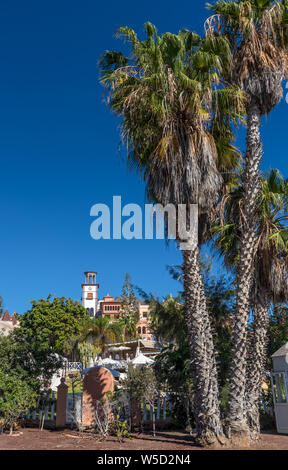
<point>90,293</point>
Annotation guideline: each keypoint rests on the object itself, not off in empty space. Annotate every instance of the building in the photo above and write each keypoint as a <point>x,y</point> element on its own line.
<point>143,325</point>
<point>110,307</point>
<point>90,293</point>
<point>7,323</point>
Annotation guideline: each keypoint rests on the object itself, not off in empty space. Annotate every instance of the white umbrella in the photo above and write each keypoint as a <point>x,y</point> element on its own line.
<point>141,360</point>
<point>108,361</point>
<point>119,348</point>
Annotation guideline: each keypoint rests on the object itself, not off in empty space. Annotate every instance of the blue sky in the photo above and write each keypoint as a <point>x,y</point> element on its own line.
<point>58,148</point>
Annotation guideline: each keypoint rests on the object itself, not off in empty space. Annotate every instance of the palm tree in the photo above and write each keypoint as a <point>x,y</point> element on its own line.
<point>101,332</point>
<point>256,30</point>
<point>270,285</point>
<point>168,319</point>
<point>269,274</point>
<point>167,94</point>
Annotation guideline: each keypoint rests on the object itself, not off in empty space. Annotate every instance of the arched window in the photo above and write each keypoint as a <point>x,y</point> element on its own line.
<point>91,312</point>
<point>144,330</point>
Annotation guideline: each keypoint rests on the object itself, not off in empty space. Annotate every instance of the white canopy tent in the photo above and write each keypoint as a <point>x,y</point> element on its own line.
<point>141,360</point>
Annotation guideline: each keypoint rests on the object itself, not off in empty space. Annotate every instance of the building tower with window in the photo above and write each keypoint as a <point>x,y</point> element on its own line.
<point>90,293</point>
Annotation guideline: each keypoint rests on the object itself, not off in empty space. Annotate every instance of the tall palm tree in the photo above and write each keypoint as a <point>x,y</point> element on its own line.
<point>270,274</point>
<point>256,30</point>
<point>165,96</point>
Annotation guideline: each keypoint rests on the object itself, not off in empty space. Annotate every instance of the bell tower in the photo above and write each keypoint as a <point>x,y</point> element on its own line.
<point>90,293</point>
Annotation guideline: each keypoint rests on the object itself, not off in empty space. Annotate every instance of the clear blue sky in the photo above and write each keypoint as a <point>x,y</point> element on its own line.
<point>58,148</point>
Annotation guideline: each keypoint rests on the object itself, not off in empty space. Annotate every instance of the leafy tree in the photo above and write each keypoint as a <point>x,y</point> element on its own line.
<point>17,396</point>
<point>269,275</point>
<point>168,319</point>
<point>1,307</point>
<point>87,351</point>
<point>172,371</point>
<point>177,123</point>
<point>129,309</point>
<point>53,323</point>
<point>141,384</point>
<point>277,331</point>
<point>27,360</point>
<point>256,30</point>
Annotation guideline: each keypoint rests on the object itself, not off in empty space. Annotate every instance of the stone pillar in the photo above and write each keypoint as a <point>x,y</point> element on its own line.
<point>62,391</point>
<point>98,381</point>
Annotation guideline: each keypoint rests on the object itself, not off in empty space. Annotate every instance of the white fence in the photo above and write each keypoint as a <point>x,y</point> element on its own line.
<point>74,408</point>
<point>45,410</point>
<point>73,365</point>
<point>163,407</point>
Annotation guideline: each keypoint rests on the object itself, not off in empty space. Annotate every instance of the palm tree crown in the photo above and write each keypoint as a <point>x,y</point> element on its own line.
<point>257,32</point>
<point>164,96</point>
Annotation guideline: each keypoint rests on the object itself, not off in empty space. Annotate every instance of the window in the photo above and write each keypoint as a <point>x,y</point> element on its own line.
<point>144,315</point>
<point>144,330</point>
<point>279,387</point>
<point>90,296</point>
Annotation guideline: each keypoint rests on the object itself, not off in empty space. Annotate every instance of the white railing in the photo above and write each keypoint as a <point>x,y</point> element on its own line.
<point>74,407</point>
<point>46,410</point>
<point>73,365</point>
<point>163,405</point>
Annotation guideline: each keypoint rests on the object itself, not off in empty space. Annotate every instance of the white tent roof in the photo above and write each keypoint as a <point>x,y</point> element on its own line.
<point>108,361</point>
<point>140,359</point>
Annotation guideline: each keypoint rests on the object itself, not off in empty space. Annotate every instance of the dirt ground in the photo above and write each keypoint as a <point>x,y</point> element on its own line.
<point>33,439</point>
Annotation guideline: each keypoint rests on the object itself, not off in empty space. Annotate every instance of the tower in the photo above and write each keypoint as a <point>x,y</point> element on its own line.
<point>90,293</point>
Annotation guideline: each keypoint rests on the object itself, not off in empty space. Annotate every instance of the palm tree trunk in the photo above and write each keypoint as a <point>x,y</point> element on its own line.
<point>237,424</point>
<point>256,364</point>
<point>203,362</point>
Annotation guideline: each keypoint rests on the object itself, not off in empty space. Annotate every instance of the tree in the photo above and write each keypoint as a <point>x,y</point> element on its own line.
<point>172,371</point>
<point>168,319</point>
<point>1,307</point>
<point>52,324</point>
<point>277,331</point>
<point>17,396</point>
<point>141,385</point>
<point>256,30</point>
<point>167,96</point>
<point>101,332</point>
<point>87,352</point>
<point>37,364</point>
<point>129,309</point>
<point>269,274</point>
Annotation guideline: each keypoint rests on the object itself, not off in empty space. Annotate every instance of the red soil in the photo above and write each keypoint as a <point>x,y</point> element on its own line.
<point>33,439</point>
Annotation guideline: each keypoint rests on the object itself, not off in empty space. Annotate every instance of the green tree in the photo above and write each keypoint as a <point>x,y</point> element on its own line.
<point>141,384</point>
<point>31,367</point>
<point>256,30</point>
<point>1,307</point>
<point>277,331</point>
<point>53,323</point>
<point>17,396</point>
<point>129,309</point>
<point>101,332</point>
<point>269,274</point>
<point>168,93</point>
<point>87,351</point>
<point>168,319</point>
